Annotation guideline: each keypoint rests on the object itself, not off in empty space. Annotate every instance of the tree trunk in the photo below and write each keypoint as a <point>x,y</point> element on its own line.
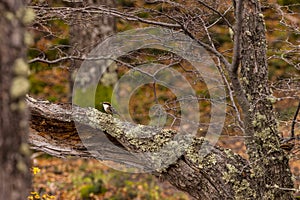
<point>87,32</point>
<point>269,162</point>
<point>14,158</point>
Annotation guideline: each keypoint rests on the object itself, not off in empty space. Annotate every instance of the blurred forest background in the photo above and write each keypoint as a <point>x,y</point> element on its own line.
<point>89,179</point>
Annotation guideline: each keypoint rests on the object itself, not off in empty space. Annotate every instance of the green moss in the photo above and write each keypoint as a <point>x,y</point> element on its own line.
<point>92,186</point>
<point>59,89</point>
<point>287,2</point>
<point>52,98</point>
<point>37,86</point>
<point>125,3</point>
<point>143,14</point>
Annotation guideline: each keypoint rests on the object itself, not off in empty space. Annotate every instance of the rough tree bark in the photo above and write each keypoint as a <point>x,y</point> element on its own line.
<point>14,150</point>
<point>220,174</point>
<point>263,142</point>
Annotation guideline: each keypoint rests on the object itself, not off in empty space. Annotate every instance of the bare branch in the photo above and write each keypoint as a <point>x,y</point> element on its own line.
<point>222,16</point>
<point>237,37</point>
<point>233,70</point>
<point>45,13</point>
<point>294,121</point>
<point>61,59</point>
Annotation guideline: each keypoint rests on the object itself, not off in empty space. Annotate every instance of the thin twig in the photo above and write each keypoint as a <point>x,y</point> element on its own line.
<point>237,37</point>
<point>294,121</point>
<point>216,11</point>
<point>154,91</point>
<point>240,121</point>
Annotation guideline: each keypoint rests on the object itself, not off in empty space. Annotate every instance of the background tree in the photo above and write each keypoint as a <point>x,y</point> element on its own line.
<point>15,174</point>
<point>86,34</point>
<point>245,73</point>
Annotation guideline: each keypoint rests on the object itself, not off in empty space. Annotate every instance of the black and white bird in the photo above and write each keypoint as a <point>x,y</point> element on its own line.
<point>109,109</point>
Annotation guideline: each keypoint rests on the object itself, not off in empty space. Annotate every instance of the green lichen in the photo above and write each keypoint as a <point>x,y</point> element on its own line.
<point>19,87</point>
<point>142,138</point>
<point>24,149</point>
<point>259,120</point>
<point>231,168</point>
<point>248,33</point>
<point>20,67</point>
<point>212,159</point>
<point>20,105</point>
<point>256,123</point>
<point>9,15</point>
<point>230,154</point>
<point>201,157</point>
<point>272,99</point>
<point>261,15</point>
<point>242,189</point>
<point>261,117</point>
<point>226,177</point>
<point>27,15</point>
<point>245,80</point>
<point>249,97</point>
<point>21,166</point>
<point>167,155</point>
<point>231,33</point>
<point>263,135</point>
<point>28,38</point>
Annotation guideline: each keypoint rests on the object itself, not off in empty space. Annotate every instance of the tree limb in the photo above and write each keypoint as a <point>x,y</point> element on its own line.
<point>49,13</point>
<point>236,59</point>
<point>217,175</point>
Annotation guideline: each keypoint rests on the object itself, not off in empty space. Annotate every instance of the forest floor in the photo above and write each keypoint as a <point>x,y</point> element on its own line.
<point>76,179</point>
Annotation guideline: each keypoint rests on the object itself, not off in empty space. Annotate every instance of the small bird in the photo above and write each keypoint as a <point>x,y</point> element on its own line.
<point>109,109</point>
